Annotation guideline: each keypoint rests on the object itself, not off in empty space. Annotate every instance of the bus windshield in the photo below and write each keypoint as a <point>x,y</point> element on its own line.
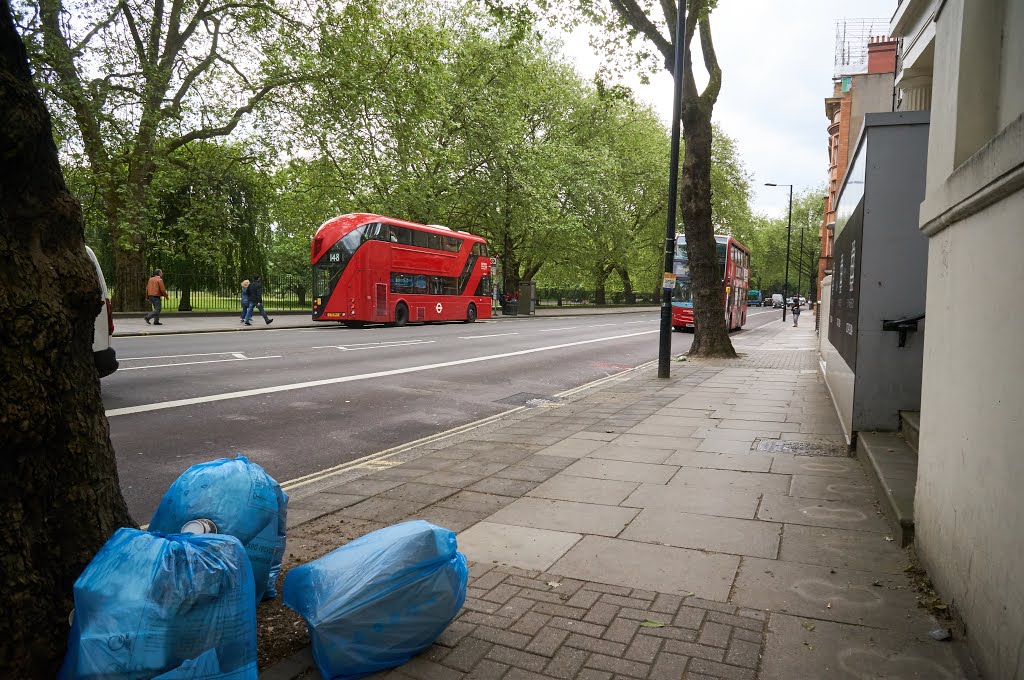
<point>331,265</point>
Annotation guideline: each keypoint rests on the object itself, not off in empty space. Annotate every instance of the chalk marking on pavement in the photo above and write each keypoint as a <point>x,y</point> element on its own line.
<point>552,330</point>
<point>493,335</point>
<point>379,460</point>
<point>193,363</point>
<point>776,349</point>
<point>175,403</point>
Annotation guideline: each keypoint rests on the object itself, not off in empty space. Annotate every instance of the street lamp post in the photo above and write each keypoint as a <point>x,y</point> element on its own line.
<point>665,336</point>
<point>789,233</point>
<point>800,265</point>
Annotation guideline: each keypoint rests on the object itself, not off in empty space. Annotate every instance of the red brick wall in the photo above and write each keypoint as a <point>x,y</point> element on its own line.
<point>882,55</point>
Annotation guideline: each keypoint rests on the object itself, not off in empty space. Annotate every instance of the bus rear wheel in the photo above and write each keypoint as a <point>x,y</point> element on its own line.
<point>401,314</point>
<point>471,313</point>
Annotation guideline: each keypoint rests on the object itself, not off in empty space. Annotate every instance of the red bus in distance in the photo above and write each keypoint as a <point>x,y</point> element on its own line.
<point>375,269</point>
<point>734,258</point>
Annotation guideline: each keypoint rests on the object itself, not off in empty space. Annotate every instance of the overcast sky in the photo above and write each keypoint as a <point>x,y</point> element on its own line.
<point>777,63</point>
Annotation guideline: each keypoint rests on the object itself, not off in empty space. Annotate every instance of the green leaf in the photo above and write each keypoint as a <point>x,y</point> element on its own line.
<point>648,623</point>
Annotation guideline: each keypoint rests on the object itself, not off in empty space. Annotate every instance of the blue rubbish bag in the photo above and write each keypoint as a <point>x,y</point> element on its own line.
<point>380,600</point>
<point>235,497</point>
<point>171,606</point>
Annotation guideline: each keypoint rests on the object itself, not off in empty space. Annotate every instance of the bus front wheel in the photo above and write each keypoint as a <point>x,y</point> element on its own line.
<point>471,313</point>
<point>401,314</point>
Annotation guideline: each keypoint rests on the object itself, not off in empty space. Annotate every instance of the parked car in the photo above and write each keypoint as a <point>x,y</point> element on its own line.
<point>103,354</point>
<point>777,301</point>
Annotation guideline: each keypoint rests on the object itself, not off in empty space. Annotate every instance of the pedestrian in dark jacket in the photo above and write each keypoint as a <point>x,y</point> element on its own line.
<point>255,294</point>
<point>796,311</point>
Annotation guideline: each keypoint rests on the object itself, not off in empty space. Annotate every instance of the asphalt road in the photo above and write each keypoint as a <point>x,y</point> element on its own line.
<point>300,400</point>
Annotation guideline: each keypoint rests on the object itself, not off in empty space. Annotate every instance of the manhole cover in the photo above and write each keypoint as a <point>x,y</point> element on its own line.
<point>800,448</point>
<point>530,400</point>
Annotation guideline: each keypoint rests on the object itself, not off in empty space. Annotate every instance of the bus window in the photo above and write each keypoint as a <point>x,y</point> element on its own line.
<point>434,241</point>
<point>409,284</point>
<point>401,235</point>
<point>480,249</point>
<point>419,238</point>
<point>444,285</point>
<point>451,244</point>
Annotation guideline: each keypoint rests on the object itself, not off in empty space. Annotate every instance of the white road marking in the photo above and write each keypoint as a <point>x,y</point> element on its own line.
<point>355,347</point>
<point>600,325</point>
<point>552,330</point>
<point>493,335</point>
<point>353,378</point>
<point>174,356</point>
<point>238,355</point>
<point>193,363</point>
<point>145,335</point>
<point>644,321</point>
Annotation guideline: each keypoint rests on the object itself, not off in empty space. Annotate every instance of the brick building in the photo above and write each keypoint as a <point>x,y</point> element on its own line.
<point>859,87</point>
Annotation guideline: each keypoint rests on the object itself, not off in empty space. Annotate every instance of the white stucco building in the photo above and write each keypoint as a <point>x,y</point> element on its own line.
<point>964,61</point>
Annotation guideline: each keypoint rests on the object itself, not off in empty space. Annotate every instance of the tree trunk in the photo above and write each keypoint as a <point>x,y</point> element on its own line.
<point>130,278</point>
<point>301,292</point>
<point>600,285</point>
<point>711,335</point>
<point>509,266</point>
<point>185,297</point>
<point>59,493</point>
<point>627,286</point>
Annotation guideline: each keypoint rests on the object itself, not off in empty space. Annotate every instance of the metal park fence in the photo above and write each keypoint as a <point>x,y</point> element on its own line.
<point>215,292</point>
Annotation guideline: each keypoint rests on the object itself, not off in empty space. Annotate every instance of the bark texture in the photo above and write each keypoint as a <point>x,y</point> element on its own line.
<point>711,333</point>
<point>59,493</point>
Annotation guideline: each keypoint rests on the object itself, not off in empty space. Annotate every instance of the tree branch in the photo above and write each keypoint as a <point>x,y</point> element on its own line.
<point>77,49</point>
<point>154,31</point>
<point>689,86</point>
<point>236,117</point>
<point>635,16</point>
<point>231,64</point>
<point>136,36</point>
<point>668,9</point>
<point>175,106</point>
<point>176,39</point>
<point>69,84</point>
<point>710,93</point>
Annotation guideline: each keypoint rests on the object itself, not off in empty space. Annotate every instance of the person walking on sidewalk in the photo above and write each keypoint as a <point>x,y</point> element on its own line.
<point>156,292</point>
<point>245,300</point>
<point>255,292</point>
<point>796,311</point>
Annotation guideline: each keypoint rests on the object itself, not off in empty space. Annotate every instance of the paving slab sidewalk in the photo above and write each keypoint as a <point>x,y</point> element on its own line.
<point>655,529</point>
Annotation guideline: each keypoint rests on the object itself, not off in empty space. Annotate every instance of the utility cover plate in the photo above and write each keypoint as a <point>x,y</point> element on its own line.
<point>801,448</point>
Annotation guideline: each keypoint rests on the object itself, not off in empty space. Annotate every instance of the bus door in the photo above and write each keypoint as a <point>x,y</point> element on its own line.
<point>728,307</point>
<point>380,297</point>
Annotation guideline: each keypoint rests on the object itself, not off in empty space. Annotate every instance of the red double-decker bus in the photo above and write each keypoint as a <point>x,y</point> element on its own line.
<point>370,268</point>
<point>734,258</point>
